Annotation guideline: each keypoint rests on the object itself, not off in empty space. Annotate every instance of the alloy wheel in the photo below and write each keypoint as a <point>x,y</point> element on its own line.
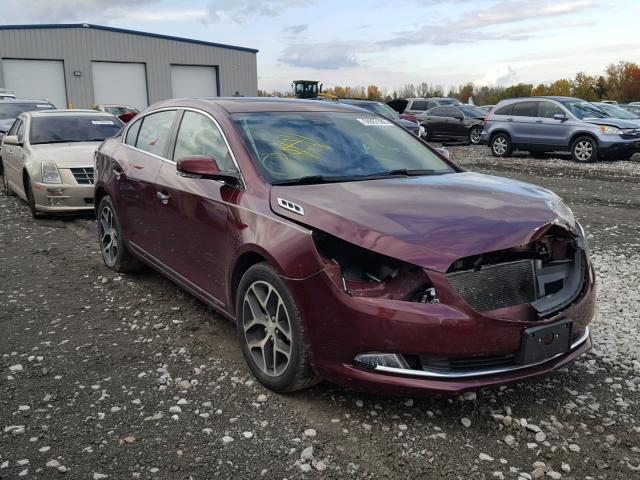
<point>500,145</point>
<point>583,150</point>
<point>108,235</point>
<point>267,328</point>
<point>475,136</point>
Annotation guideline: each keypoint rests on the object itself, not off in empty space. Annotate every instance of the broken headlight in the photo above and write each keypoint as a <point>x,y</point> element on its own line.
<point>363,273</point>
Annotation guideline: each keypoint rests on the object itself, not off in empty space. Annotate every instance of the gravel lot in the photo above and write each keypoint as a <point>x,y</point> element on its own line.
<point>107,376</point>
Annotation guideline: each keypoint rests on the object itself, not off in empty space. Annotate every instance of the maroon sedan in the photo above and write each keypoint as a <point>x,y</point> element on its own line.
<point>345,248</point>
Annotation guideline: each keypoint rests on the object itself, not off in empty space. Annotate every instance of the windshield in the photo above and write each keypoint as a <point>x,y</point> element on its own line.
<point>292,145</point>
<point>380,109</point>
<point>471,111</point>
<point>618,112</point>
<point>76,128</point>
<point>583,109</point>
<point>10,111</point>
<point>119,110</point>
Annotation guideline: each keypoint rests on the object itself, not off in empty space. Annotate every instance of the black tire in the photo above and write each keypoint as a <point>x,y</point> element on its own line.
<point>112,245</point>
<point>585,150</point>
<point>427,135</point>
<point>474,135</point>
<point>7,189</point>
<point>501,145</point>
<point>297,372</point>
<point>28,190</point>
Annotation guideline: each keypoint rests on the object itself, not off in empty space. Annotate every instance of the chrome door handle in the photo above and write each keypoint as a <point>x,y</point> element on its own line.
<point>163,197</point>
<point>538,121</point>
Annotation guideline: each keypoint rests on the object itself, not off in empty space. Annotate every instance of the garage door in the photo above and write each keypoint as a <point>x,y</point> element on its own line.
<point>193,81</point>
<point>123,83</point>
<point>37,79</point>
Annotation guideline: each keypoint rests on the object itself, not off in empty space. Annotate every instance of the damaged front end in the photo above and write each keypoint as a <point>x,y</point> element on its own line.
<point>544,276</point>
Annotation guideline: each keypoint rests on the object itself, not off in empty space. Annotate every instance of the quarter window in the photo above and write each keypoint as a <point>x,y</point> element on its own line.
<point>506,110</point>
<point>14,127</point>
<point>132,133</point>
<point>199,136</point>
<point>548,110</point>
<point>20,132</point>
<point>526,109</point>
<point>154,132</point>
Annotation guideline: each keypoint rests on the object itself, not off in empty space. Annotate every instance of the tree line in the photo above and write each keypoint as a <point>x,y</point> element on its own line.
<point>620,82</point>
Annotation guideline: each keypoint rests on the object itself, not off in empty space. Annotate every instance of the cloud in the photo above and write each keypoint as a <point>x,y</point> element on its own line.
<point>498,76</point>
<point>295,29</point>
<point>55,11</point>
<point>323,56</point>
<point>240,11</point>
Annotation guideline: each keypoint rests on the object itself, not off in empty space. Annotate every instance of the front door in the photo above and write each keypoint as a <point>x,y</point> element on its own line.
<point>548,132</point>
<point>193,213</point>
<point>13,157</point>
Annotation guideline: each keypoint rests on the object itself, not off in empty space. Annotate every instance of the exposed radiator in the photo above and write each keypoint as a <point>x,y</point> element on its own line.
<point>497,286</point>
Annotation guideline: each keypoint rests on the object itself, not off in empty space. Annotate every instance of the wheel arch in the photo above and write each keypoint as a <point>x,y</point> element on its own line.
<point>99,193</point>
<point>244,262</point>
<point>577,135</point>
<point>498,132</point>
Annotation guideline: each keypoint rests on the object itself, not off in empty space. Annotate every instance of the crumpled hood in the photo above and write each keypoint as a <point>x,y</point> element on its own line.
<point>614,122</point>
<point>67,155</point>
<point>427,221</point>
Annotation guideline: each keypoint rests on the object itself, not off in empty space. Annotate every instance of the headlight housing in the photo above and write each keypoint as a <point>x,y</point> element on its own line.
<point>564,213</point>
<point>50,173</point>
<point>606,129</point>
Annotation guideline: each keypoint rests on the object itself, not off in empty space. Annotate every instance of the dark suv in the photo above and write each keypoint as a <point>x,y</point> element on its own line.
<point>549,124</point>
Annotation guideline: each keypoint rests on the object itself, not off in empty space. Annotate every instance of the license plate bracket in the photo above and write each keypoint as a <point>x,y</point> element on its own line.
<point>544,342</point>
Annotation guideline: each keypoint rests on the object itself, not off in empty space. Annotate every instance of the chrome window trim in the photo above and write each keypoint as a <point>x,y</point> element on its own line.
<point>477,373</point>
<point>190,109</point>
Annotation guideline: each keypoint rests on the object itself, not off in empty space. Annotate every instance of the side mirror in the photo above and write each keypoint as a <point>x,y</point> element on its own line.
<point>443,151</point>
<point>460,118</point>
<point>12,140</point>
<point>560,116</point>
<point>200,166</point>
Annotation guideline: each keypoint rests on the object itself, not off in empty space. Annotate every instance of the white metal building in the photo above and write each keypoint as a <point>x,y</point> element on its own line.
<point>80,65</point>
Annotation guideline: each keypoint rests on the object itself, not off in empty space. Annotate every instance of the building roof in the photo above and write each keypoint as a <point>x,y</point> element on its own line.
<point>53,26</point>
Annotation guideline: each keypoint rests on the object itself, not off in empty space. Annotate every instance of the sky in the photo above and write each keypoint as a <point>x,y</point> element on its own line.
<point>388,43</point>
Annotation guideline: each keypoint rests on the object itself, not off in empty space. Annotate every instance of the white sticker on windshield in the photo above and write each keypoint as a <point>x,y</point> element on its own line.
<point>102,122</point>
<point>375,122</point>
<point>43,106</point>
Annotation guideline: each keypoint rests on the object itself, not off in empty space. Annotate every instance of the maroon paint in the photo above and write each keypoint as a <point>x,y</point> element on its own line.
<point>197,238</point>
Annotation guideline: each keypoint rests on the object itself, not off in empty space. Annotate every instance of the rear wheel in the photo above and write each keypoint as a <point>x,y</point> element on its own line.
<point>501,145</point>
<point>474,135</point>
<point>112,247</point>
<point>271,331</point>
<point>584,150</point>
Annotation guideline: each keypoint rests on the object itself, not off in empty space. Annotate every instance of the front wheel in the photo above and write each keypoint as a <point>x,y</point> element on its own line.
<point>475,135</point>
<point>271,332</point>
<point>584,150</point>
<point>501,145</point>
<point>112,247</point>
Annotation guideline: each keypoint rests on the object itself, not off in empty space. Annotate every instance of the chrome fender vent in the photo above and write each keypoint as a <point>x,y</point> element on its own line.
<point>292,207</point>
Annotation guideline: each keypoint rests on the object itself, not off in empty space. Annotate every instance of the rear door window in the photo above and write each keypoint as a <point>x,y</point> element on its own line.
<point>526,109</point>
<point>438,112</point>
<point>506,110</point>
<point>154,132</point>
<point>548,110</point>
<point>419,105</point>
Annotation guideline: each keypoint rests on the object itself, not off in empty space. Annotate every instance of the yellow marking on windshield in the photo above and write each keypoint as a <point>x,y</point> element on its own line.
<point>299,145</point>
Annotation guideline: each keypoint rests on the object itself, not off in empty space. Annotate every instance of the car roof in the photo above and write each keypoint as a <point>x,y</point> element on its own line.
<point>261,104</point>
<point>67,112</point>
<point>20,100</point>
<point>114,105</point>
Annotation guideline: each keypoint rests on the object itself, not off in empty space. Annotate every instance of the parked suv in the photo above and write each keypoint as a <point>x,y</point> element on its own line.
<point>413,109</point>
<point>548,124</point>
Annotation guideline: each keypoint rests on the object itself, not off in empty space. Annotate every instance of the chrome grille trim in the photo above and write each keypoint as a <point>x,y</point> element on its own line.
<point>481,372</point>
<point>83,175</point>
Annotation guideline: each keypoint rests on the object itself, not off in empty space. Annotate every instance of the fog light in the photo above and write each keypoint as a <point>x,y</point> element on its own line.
<point>55,192</point>
<point>373,360</point>
<point>56,201</point>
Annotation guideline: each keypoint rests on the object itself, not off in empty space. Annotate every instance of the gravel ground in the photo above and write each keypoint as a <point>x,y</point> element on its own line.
<point>107,376</point>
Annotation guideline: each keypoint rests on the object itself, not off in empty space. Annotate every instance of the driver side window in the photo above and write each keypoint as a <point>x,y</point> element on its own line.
<point>14,127</point>
<point>199,136</point>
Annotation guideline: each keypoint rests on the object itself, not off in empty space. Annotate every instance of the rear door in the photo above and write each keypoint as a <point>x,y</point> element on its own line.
<point>192,212</point>
<point>457,125</point>
<point>547,132</point>
<point>523,118</point>
<point>135,168</point>
<point>438,124</point>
